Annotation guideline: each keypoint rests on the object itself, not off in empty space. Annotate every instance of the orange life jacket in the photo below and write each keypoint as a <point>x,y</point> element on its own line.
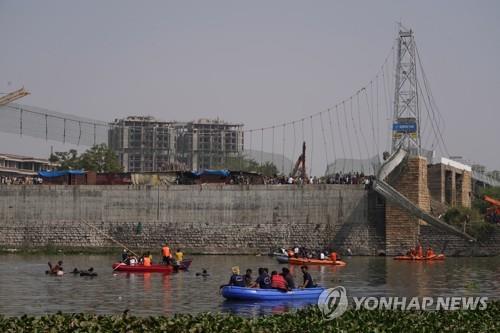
<point>278,282</point>
<point>147,261</point>
<point>333,256</point>
<point>430,253</point>
<point>166,251</point>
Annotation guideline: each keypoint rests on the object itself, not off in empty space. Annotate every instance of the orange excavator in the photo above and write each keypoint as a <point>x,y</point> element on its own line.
<point>493,212</point>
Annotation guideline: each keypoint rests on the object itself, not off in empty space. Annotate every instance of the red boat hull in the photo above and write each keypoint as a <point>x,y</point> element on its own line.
<point>154,268</point>
<point>304,261</point>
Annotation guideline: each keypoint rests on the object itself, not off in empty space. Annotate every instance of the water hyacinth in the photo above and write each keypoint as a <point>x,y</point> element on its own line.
<point>306,320</point>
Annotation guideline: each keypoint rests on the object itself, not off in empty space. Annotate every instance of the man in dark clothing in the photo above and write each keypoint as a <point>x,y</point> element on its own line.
<point>263,280</point>
<point>236,279</point>
<point>288,278</point>
<point>308,281</point>
<point>248,278</point>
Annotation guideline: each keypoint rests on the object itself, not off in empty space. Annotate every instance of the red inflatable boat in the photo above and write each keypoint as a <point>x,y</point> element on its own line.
<point>154,268</point>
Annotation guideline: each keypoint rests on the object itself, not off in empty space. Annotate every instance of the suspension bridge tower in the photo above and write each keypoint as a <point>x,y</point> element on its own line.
<point>406,120</point>
<point>410,181</point>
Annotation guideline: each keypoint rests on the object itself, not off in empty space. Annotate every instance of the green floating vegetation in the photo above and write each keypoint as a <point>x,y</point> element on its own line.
<point>306,320</point>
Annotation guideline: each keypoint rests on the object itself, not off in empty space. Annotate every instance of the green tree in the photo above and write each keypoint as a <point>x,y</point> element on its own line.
<point>67,160</point>
<point>479,203</point>
<point>268,169</point>
<point>241,163</point>
<point>98,158</point>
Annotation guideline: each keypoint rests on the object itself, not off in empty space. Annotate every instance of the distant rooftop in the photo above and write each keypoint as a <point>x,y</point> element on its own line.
<point>20,158</point>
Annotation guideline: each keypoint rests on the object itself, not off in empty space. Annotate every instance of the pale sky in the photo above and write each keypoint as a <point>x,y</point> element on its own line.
<point>255,62</point>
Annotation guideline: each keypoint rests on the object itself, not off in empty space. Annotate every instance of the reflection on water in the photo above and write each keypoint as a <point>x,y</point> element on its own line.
<point>24,287</point>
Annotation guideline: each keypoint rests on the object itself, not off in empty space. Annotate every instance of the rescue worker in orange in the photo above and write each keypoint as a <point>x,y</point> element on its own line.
<point>430,253</point>
<point>333,256</point>
<point>278,281</point>
<point>146,261</point>
<point>419,250</point>
<point>167,256</point>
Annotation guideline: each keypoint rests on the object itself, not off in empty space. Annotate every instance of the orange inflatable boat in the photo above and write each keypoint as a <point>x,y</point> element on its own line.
<point>431,258</point>
<point>305,261</point>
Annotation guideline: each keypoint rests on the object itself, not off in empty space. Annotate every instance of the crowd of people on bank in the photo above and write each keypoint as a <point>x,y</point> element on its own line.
<point>350,178</point>
<point>28,180</point>
<point>283,281</point>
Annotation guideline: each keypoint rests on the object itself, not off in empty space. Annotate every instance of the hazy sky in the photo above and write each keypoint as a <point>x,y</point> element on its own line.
<point>256,62</point>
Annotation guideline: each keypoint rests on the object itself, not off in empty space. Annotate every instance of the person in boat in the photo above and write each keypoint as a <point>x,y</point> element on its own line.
<point>285,272</point>
<point>248,278</point>
<point>90,272</point>
<point>430,253</point>
<point>132,260</point>
<point>308,281</point>
<point>290,253</point>
<point>413,253</point>
<point>263,281</point>
<point>296,252</point>
<point>146,260</point>
<point>167,256</point>
<point>322,256</point>
<point>124,256</point>
<point>236,279</point>
<point>419,250</point>
<point>179,256</point>
<point>150,256</point>
<point>333,256</point>
<point>278,281</point>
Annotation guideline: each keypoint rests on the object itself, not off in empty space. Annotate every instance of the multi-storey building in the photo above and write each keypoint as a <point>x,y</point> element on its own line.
<point>145,144</point>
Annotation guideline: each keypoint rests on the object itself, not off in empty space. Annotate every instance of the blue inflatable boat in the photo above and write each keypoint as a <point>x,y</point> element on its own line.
<point>255,294</point>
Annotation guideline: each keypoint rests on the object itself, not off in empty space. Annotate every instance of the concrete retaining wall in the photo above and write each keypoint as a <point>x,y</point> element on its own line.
<point>206,219</point>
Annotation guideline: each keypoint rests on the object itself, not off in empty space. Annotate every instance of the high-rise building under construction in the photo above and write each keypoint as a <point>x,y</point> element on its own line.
<point>145,144</point>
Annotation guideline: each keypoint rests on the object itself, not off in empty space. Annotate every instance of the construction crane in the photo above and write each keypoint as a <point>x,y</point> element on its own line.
<point>15,95</point>
<point>300,165</point>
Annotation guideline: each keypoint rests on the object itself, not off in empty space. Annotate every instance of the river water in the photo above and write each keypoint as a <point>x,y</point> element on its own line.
<point>26,289</point>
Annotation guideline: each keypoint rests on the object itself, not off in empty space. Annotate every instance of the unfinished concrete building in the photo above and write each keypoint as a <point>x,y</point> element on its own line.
<point>145,144</point>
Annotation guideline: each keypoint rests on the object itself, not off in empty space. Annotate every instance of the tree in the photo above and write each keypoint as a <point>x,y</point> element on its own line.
<point>67,160</point>
<point>241,163</point>
<point>268,169</point>
<point>98,158</point>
